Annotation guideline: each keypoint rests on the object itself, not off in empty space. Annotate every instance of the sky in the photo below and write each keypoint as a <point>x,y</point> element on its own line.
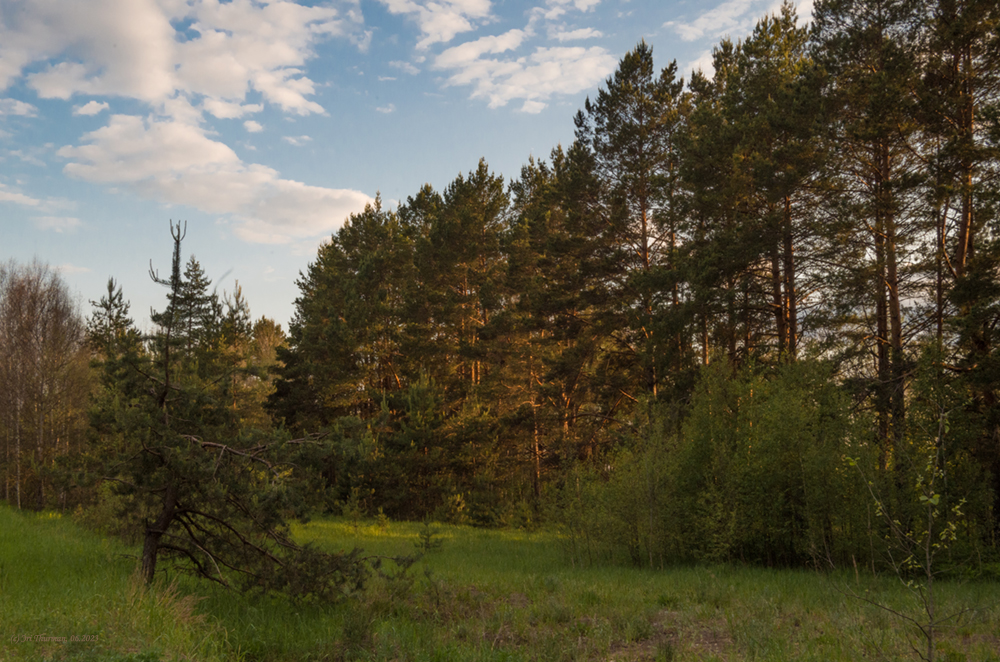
<point>261,125</point>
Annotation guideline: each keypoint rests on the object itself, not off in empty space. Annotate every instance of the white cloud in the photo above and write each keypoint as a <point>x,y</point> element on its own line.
<point>732,18</point>
<point>405,67</point>
<point>15,107</point>
<point>188,60</point>
<point>533,78</point>
<point>384,79</point>
<point>468,53</point>
<point>390,108</point>
<point>178,163</point>
<point>230,109</point>
<point>703,63</point>
<point>90,108</point>
<point>293,210</point>
<point>130,150</point>
<point>555,9</point>
<point>133,48</point>
<point>496,70</point>
<point>18,198</point>
<point>440,20</point>
<point>298,141</point>
<point>27,158</point>
<point>719,21</point>
<point>573,35</point>
<point>58,224</point>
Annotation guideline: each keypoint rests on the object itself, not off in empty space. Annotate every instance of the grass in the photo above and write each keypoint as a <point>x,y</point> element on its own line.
<point>482,595</point>
<point>68,594</point>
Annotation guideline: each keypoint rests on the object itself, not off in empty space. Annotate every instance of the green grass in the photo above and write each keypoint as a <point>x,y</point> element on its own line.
<point>67,594</point>
<point>483,595</point>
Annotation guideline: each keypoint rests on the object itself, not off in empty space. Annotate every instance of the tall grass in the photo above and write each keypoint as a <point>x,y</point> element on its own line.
<point>487,595</point>
<point>67,594</point>
<point>482,595</point>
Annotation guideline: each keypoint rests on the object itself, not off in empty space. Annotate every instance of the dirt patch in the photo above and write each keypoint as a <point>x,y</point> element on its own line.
<point>672,631</point>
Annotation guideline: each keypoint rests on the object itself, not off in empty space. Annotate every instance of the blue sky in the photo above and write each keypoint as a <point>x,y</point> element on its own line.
<point>264,124</point>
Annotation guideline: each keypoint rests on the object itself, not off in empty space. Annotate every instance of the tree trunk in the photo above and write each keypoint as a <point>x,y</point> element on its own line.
<point>17,449</point>
<point>966,129</point>
<point>154,532</point>
<point>777,302</point>
<point>791,305</point>
<point>898,368</point>
<point>896,386</point>
<point>881,339</point>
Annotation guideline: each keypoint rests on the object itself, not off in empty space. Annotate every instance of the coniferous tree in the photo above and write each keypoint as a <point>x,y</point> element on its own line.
<point>960,115</point>
<point>776,110</point>
<point>205,492</point>
<point>868,49</point>
<point>725,246</point>
<point>110,329</point>
<point>347,344</point>
<point>631,130</point>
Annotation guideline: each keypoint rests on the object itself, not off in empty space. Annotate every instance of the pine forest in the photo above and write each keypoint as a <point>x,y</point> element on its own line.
<point>746,317</point>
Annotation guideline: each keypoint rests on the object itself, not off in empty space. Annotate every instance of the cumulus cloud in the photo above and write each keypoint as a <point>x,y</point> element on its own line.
<point>702,63</point>
<point>90,108</point>
<point>153,49</point>
<point>534,78</point>
<point>298,141</point>
<point>230,110</point>
<point>27,158</point>
<point>719,21</point>
<point>178,163</point>
<point>188,61</point>
<point>130,149</point>
<point>575,35</point>
<point>15,107</point>
<point>556,9</point>
<point>17,198</point>
<point>732,17</point>
<point>405,67</point>
<point>467,54</point>
<point>389,108</point>
<point>440,20</point>
<point>498,69</point>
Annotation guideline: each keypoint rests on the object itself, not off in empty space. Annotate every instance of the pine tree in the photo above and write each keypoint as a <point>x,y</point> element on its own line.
<point>346,350</point>
<point>110,329</point>
<point>776,108</point>
<point>459,266</point>
<point>206,493</point>
<point>960,114</point>
<point>868,49</point>
<point>726,237</point>
<point>631,130</point>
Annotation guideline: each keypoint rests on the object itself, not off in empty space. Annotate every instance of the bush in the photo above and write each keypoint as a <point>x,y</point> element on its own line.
<point>752,469</point>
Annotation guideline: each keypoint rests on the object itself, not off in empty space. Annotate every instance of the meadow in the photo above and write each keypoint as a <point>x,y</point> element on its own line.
<point>474,594</point>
